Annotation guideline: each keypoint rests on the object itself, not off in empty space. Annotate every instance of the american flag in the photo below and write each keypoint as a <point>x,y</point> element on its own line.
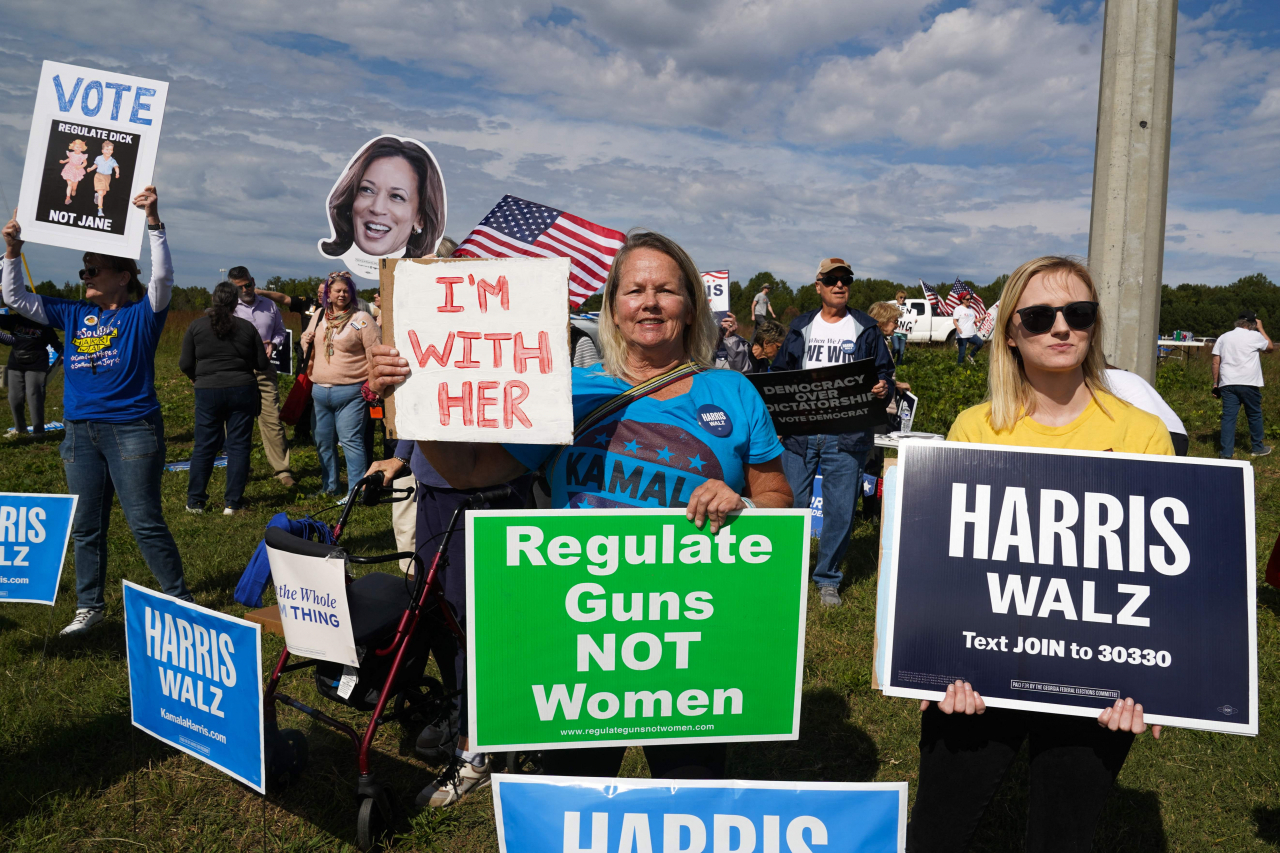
<point>942,309</point>
<point>988,323</point>
<point>518,228</point>
<point>960,289</point>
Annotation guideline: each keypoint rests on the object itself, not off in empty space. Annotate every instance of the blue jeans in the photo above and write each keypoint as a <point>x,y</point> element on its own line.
<point>224,417</point>
<point>340,413</point>
<point>974,341</point>
<point>102,460</point>
<point>899,346</point>
<point>841,479</point>
<point>1233,397</point>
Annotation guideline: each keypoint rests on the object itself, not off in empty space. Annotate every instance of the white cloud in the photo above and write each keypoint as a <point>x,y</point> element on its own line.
<point>984,75</point>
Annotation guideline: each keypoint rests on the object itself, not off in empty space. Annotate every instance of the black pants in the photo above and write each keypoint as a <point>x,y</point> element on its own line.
<point>435,509</point>
<point>224,418</point>
<point>1074,763</point>
<point>27,385</point>
<point>1181,444</point>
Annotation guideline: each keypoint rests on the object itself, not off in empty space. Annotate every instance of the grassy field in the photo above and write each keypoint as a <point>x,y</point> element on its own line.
<point>74,776</point>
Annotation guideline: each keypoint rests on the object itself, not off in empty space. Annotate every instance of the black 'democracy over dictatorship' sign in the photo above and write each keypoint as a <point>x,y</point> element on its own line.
<point>1057,580</point>
<point>826,401</point>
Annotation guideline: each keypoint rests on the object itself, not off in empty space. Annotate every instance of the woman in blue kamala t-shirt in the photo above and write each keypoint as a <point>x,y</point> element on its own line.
<point>705,443</point>
<point>115,435</point>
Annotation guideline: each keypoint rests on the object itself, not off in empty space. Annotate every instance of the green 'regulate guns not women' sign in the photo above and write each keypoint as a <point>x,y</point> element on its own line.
<point>610,627</point>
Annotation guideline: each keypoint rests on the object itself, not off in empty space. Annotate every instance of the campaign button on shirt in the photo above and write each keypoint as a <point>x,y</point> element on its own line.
<point>847,347</point>
<point>715,420</point>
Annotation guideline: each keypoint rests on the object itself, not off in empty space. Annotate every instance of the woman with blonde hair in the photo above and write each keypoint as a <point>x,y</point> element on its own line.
<point>1048,388</point>
<point>699,439</point>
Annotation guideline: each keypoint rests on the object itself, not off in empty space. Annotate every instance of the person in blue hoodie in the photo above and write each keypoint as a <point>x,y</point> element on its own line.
<point>833,334</point>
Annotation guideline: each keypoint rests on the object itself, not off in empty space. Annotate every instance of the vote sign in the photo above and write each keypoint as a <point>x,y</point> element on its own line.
<point>34,530</point>
<point>824,401</point>
<point>561,814</point>
<point>92,147</point>
<point>609,627</point>
<point>1062,580</point>
<point>195,681</point>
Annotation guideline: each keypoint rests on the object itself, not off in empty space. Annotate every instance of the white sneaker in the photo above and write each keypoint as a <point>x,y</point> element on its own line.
<point>436,741</point>
<point>460,779</point>
<point>84,621</point>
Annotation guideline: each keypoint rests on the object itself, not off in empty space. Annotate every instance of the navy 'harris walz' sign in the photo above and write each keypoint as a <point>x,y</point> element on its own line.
<point>1062,580</point>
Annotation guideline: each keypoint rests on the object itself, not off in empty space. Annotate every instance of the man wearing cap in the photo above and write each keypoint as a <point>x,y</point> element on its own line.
<point>760,305</point>
<point>1237,379</point>
<point>965,319</point>
<point>265,317</point>
<point>833,334</point>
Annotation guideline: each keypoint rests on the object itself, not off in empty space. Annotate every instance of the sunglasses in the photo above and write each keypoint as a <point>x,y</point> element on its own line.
<point>833,280</point>
<point>1038,319</point>
<point>89,272</point>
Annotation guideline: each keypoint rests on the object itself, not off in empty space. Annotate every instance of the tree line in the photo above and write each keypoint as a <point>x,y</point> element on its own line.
<point>1201,309</point>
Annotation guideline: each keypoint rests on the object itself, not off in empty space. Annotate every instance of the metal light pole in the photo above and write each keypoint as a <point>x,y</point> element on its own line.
<point>1131,177</point>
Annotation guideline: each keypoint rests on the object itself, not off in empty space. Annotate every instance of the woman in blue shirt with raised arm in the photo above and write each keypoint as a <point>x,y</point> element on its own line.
<point>115,435</point>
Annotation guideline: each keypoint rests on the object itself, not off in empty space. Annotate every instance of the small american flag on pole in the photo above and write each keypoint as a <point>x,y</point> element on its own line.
<point>960,289</point>
<point>517,228</point>
<point>942,309</point>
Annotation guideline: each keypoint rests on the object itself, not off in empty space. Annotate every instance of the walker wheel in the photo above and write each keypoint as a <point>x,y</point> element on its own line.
<point>374,821</point>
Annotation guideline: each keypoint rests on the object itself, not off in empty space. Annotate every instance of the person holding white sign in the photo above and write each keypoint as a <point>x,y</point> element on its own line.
<point>653,428</point>
<point>115,433</point>
<point>1048,388</point>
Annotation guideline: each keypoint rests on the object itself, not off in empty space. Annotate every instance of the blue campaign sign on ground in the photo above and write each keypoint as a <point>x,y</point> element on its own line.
<point>34,530</point>
<point>195,681</point>
<point>1064,580</point>
<point>562,814</point>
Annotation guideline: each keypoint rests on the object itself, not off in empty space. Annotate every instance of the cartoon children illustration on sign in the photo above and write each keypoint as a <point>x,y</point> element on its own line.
<point>73,172</point>
<point>105,163</point>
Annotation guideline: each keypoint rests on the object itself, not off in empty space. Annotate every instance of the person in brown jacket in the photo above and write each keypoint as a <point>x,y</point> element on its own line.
<point>342,335</point>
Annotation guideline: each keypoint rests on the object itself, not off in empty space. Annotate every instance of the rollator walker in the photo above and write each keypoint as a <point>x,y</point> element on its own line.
<point>386,618</point>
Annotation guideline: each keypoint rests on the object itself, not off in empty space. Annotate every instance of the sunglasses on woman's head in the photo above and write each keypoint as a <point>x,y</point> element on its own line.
<point>833,280</point>
<point>1038,319</point>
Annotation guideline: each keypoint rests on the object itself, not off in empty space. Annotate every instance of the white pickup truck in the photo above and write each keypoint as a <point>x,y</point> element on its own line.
<point>922,325</point>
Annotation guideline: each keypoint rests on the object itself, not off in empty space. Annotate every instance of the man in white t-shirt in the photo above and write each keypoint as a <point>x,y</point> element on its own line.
<point>833,334</point>
<point>1237,379</point>
<point>965,319</point>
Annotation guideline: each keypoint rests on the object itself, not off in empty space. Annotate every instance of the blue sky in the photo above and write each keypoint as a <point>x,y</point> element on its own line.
<point>914,138</point>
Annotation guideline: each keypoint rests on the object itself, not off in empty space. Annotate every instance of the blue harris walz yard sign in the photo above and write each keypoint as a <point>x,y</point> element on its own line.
<point>559,814</point>
<point>34,530</point>
<point>1061,581</point>
<point>195,681</point>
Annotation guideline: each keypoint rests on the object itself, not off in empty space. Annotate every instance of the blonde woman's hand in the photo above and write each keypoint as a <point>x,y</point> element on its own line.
<point>961,698</point>
<point>713,501</point>
<point>1126,716</point>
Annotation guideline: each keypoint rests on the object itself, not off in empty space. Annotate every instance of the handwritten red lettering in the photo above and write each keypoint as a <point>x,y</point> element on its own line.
<point>431,353</point>
<point>466,360</point>
<point>511,404</point>
<point>521,354</point>
<point>484,290</point>
<point>497,338</point>
<point>449,281</point>
<point>463,402</point>
<point>483,401</point>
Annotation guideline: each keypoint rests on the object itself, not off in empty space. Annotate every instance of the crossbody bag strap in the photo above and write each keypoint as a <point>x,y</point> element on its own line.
<point>617,403</point>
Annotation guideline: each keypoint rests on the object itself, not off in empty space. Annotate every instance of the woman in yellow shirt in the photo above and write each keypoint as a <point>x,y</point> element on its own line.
<point>1047,388</point>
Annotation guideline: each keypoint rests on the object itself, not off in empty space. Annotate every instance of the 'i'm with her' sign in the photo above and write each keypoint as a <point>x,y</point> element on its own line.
<point>488,348</point>
<point>1057,580</point>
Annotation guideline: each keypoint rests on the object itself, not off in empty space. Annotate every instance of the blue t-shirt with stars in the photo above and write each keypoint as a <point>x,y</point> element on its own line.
<point>654,453</point>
